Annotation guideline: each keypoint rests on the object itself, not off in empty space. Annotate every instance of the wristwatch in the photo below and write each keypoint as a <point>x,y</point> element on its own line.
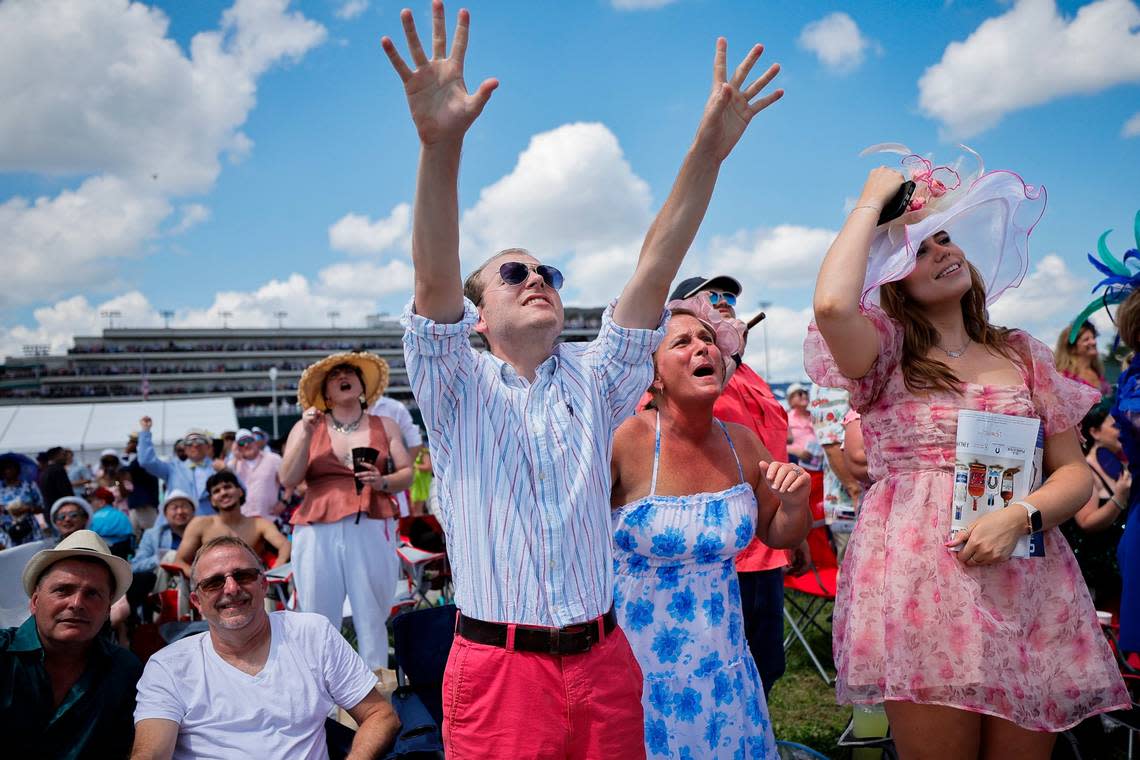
<point>1033,517</point>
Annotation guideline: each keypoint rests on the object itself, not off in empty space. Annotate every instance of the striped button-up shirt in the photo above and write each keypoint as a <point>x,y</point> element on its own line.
<point>523,469</point>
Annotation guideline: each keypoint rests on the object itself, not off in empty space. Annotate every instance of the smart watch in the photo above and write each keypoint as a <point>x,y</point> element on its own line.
<point>1033,517</point>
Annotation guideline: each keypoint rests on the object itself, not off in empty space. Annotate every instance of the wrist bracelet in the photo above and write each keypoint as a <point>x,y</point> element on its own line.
<point>876,209</point>
<point>1116,503</point>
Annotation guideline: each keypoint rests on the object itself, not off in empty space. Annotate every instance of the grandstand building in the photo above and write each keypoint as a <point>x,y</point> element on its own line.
<point>137,364</point>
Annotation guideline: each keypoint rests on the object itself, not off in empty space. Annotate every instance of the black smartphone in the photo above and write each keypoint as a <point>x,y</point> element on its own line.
<point>896,206</point>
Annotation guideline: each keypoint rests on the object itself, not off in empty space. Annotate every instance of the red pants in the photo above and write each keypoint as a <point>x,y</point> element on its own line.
<point>510,704</point>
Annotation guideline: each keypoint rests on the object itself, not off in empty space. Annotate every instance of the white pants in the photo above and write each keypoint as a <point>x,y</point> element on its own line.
<point>331,560</point>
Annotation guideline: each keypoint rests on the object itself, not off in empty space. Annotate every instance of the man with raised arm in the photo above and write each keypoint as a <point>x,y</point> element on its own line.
<point>522,434</point>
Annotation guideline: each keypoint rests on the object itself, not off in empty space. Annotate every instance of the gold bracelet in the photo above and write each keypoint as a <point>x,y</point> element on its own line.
<point>1116,503</point>
<point>876,209</point>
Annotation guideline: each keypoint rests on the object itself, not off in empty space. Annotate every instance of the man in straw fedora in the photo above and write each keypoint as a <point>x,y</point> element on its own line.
<point>344,533</point>
<point>66,691</point>
<point>522,435</point>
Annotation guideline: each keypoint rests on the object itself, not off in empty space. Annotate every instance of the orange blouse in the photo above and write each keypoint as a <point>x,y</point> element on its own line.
<point>331,486</point>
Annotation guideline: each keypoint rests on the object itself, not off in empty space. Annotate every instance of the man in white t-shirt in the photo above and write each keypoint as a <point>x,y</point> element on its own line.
<point>256,684</point>
<point>409,431</point>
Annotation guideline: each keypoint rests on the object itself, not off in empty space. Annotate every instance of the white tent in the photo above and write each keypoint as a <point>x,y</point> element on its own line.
<point>89,428</point>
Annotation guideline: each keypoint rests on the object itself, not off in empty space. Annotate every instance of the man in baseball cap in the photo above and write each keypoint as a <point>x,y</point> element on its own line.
<point>66,691</point>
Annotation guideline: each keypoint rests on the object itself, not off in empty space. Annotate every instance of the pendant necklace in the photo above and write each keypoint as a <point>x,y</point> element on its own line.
<point>955,353</point>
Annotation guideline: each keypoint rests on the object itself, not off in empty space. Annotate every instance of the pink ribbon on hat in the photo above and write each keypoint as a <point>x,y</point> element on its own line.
<point>924,174</point>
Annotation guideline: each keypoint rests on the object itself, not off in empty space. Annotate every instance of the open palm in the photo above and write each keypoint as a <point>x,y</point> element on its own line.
<point>730,106</point>
<point>441,107</point>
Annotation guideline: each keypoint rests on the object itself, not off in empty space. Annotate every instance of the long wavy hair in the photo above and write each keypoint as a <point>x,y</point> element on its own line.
<point>1066,360</point>
<point>921,373</point>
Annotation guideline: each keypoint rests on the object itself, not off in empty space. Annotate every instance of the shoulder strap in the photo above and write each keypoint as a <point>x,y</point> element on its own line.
<point>739,468</point>
<point>656,455</point>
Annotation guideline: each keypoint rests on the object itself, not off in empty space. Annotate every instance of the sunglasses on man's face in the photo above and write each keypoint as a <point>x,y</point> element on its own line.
<point>61,516</point>
<point>243,577</point>
<point>727,298</point>
<point>516,272</point>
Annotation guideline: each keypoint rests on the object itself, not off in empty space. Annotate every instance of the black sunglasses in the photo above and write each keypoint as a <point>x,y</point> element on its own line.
<point>515,272</point>
<point>243,577</point>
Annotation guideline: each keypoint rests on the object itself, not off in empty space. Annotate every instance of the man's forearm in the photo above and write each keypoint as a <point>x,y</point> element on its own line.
<point>668,240</point>
<point>375,735</point>
<point>435,234</point>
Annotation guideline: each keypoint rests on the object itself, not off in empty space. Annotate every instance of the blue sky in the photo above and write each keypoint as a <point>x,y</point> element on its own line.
<point>256,156</point>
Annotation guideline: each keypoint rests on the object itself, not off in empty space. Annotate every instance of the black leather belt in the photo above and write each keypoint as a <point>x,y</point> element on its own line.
<point>573,639</point>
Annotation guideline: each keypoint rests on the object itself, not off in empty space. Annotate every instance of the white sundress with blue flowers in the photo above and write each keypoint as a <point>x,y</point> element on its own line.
<point>678,600</point>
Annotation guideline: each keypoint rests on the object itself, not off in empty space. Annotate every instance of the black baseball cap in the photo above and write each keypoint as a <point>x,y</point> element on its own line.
<point>693,285</point>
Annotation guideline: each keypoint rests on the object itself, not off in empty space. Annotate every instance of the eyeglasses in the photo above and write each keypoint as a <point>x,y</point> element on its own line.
<point>716,298</point>
<point>515,272</point>
<point>242,577</point>
<point>61,516</point>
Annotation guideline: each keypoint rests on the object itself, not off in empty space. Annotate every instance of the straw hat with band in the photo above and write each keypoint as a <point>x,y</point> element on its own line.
<point>373,369</point>
<point>989,215</point>
<point>85,544</point>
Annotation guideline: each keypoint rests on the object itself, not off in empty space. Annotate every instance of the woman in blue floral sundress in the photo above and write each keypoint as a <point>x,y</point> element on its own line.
<point>686,490</point>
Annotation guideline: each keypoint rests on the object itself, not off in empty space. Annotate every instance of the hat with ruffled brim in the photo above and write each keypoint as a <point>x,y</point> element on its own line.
<point>310,388</point>
<point>991,223</point>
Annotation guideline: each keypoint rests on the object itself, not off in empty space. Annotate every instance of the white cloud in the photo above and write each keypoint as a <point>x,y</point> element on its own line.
<point>1131,127</point>
<point>1048,299</point>
<point>191,215</point>
<point>358,279</point>
<point>75,239</point>
<point>357,234</point>
<point>836,41</point>
<point>571,191</point>
<point>640,5</point>
<point>1028,56</point>
<point>784,256</point>
<point>100,90</point>
<point>786,330</point>
<point>350,9</point>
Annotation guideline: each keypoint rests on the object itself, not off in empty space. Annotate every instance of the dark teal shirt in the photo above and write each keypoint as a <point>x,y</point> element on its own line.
<point>95,719</point>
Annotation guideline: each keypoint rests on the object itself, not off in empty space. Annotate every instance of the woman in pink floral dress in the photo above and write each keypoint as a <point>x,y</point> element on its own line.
<point>974,654</point>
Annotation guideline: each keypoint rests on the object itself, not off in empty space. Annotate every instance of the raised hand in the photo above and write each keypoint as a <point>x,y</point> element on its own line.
<point>313,417</point>
<point>730,106</point>
<point>881,185</point>
<point>145,423</point>
<point>438,99</point>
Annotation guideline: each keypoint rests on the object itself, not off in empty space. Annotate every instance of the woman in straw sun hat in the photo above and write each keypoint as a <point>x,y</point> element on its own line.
<point>344,535</point>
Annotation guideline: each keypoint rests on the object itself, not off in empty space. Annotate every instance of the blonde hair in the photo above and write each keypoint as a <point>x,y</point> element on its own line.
<point>920,372</point>
<point>1128,321</point>
<point>1069,362</point>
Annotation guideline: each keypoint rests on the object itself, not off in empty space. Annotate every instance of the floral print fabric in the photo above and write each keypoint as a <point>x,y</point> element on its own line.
<point>1018,640</point>
<point>678,601</point>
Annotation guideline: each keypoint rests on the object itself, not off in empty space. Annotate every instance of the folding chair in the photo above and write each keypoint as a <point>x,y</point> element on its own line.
<point>422,640</point>
<point>812,591</point>
<point>421,568</point>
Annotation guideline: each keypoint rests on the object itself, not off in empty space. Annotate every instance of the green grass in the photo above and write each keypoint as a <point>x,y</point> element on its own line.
<point>802,706</point>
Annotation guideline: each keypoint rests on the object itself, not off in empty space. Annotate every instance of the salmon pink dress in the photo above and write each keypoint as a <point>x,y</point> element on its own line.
<point>1019,639</point>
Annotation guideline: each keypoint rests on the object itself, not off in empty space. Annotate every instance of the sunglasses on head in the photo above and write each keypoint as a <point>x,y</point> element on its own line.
<point>716,298</point>
<point>243,577</point>
<point>515,272</point>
